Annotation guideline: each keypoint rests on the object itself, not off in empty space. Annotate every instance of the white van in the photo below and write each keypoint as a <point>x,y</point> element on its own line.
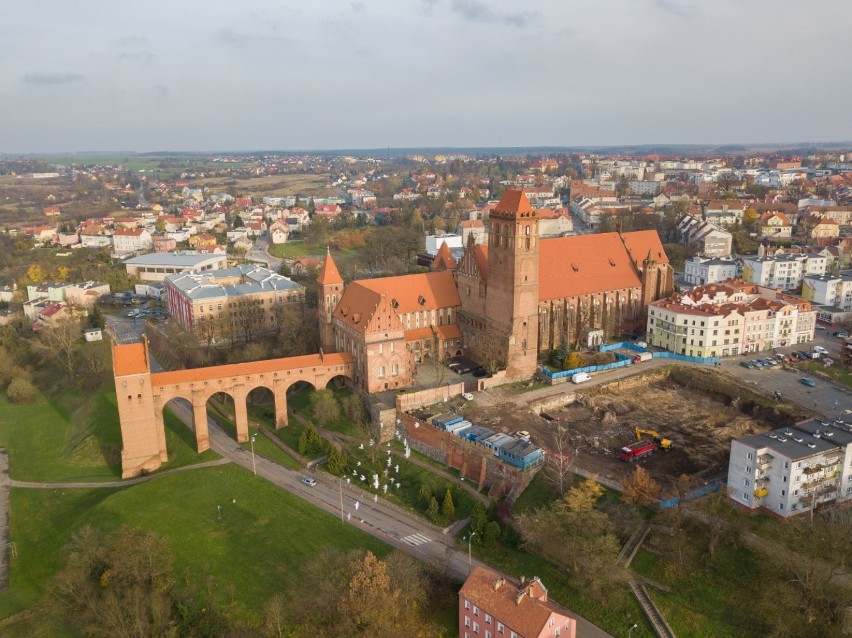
<point>580,377</point>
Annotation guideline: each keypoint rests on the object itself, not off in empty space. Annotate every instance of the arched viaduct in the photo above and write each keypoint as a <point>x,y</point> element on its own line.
<point>142,396</point>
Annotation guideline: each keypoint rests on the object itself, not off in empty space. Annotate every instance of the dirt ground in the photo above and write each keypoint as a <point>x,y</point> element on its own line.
<point>603,419</point>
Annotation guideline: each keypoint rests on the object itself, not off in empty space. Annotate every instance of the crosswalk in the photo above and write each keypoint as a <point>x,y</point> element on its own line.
<point>416,539</point>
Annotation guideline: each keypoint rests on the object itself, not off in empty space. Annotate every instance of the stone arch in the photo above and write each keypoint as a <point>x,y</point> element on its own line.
<point>336,381</point>
<point>237,398</point>
<point>258,396</point>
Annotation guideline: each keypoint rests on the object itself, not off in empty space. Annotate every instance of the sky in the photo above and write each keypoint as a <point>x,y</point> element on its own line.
<point>192,75</point>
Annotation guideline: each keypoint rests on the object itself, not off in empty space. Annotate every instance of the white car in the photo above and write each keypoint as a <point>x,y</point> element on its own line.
<point>309,481</point>
<point>467,396</point>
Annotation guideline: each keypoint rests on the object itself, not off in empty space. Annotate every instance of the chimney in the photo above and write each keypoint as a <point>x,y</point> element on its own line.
<point>519,597</point>
<point>498,583</point>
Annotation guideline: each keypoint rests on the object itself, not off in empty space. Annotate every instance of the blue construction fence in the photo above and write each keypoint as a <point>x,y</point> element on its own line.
<point>701,491</point>
<point>622,360</point>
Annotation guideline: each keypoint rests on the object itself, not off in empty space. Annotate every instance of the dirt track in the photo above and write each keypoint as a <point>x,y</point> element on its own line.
<point>602,420</point>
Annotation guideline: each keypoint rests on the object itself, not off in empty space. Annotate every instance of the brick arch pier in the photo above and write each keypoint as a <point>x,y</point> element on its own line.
<point>142,396</point>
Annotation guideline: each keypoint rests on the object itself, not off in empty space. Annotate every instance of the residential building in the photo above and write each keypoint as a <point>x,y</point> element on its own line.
<point>711,240</point>
<point>784,271</point>
<point>163,243</point>
<point>822,227</point>
<point>493,606</point>
<point>230,303</point>
<point>433,242</point>
<point>158,266</point>
<point>475,227</point>
<point>829,290</point>
<point>554,222</point>
<point>643,187</point>
<point>774,225</point>
<point>794,470</point>
<point>279,232</point>
<point>699,271</point>
<point>131,240</point>
<point>729,318</point>
<point>725,212</point>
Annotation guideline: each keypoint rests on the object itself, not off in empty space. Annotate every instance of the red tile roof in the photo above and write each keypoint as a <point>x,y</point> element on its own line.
<point>513,202</point>
<point>524,608</point>
<point>129,358</point>
<point>328,273</point>
<point>444,259</point>
<point>251,367</point>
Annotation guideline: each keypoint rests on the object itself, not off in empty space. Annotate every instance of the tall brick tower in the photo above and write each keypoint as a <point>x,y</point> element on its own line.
<point>512,297</point>
<point>329,292</point>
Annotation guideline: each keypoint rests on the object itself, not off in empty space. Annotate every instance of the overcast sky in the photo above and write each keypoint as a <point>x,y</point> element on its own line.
<point>322,74</point>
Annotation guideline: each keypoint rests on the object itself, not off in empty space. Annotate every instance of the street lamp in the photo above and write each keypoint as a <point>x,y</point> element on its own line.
<point>469,560</point>
<point>630,633</point>
<point>253,464</point>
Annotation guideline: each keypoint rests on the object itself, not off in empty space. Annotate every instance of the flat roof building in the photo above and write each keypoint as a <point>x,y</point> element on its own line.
<point>158,266</point>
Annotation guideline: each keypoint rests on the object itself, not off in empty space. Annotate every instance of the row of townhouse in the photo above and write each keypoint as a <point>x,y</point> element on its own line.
<point>794,470</point>
<point>728,319</point>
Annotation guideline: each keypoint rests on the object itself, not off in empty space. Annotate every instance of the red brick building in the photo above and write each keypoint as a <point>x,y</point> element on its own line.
<point>505,301</point>
<point>492,606</point>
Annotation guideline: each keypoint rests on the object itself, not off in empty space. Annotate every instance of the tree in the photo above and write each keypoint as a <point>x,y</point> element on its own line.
<point>492,533</point>
<point>61,342</point>
<point>639,488</point>
<point>20,390</point>
<point>573,532</point>
<point>353,408</point>
<point>573,361</point>
<point>448,508</point>
<point>558,469</point>
<point>337,461</point>
<point>433,510</point>
<point>324,407</point>
<point>35,274</point>
<point>478,521</point>
<point>119,586</point>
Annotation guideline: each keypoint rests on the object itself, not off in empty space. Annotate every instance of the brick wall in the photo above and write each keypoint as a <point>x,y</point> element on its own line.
<point>408,401</point>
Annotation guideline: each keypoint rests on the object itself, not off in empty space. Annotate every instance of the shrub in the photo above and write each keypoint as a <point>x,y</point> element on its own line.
<point>448,509</point>
<point>20,391</point>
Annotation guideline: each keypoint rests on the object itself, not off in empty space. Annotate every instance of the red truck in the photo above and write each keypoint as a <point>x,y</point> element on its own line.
<point>630,453</point>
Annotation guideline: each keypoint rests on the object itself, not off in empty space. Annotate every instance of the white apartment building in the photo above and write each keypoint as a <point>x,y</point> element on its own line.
<point>791,471</point>
<point>699,271</point>
<point>643,187</point>
<point>433,242</point>
<point>829,290</point>
<point>781,270</point>
<point>130,240</point>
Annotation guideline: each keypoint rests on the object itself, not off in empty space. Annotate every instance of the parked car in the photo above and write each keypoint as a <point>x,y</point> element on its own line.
<point>808,382</point>
<point>467,396</point>
<point>309,481</point>
<point>746,364</point>
<point>841,333</point>
<point>523,434</point>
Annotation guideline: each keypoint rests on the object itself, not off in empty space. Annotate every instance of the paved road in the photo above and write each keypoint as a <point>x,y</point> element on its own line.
<point>124,330</point>
<point>403,531</point>
<point>258,252</point>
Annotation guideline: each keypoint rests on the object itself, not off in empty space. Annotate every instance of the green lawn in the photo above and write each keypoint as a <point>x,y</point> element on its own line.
<point>539,493</point>
<point>836,372</point>
<point>264,447</point>
<point>708,601</point>
<point>294,249</point>
<point>77,438</point>
<point>262,534</point>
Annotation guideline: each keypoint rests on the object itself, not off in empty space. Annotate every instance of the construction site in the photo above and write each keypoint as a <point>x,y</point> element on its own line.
<point>677,430</point>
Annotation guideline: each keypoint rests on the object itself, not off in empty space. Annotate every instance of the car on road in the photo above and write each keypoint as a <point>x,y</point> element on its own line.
<point>841,334</point>
<point>309,481</point>
<point>808,382</point>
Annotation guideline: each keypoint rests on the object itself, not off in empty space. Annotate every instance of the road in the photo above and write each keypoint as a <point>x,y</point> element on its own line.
<point>258,252</point>
<point>377,518</point>
<point>124,330</point>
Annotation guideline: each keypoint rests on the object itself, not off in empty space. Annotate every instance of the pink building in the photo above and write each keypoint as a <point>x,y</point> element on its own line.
<point>491,606</point>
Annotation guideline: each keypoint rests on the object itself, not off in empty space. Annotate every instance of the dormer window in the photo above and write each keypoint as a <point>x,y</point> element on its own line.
<point>421,300</point>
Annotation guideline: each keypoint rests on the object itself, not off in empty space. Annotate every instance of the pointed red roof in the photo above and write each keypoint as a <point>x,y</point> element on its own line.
<point>444,259</point>
<point>513,202</point>
<point>329,274</point>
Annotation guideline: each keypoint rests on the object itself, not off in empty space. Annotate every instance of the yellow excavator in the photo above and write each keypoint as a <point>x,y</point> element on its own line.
<point>660,442</point>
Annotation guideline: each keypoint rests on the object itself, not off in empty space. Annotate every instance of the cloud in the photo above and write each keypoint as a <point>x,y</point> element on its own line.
<point>50,79</point>
<point>132,40</point>
<point>161,90</point>
<point>357,6</point>
<point>670,6</point>
<point>428,5</point>
<point>476,11</point>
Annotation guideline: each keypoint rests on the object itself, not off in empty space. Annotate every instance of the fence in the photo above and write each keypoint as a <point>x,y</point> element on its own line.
<point>701,491</point>
<point>625,361</point>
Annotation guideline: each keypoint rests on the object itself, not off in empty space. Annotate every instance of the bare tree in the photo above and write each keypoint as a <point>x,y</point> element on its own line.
<point>61,342</point>
<point>558,470</point>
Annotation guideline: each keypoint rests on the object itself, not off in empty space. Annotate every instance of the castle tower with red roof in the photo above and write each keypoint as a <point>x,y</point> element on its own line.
<point>330,290</point>
<point>513,281</point>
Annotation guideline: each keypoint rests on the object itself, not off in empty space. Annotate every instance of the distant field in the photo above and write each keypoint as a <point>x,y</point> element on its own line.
<point>272,185</point>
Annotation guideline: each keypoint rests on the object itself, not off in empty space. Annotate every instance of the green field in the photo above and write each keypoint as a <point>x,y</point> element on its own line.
<point>261,535</point>
<point>77,438</point>
<point>836,372</point>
